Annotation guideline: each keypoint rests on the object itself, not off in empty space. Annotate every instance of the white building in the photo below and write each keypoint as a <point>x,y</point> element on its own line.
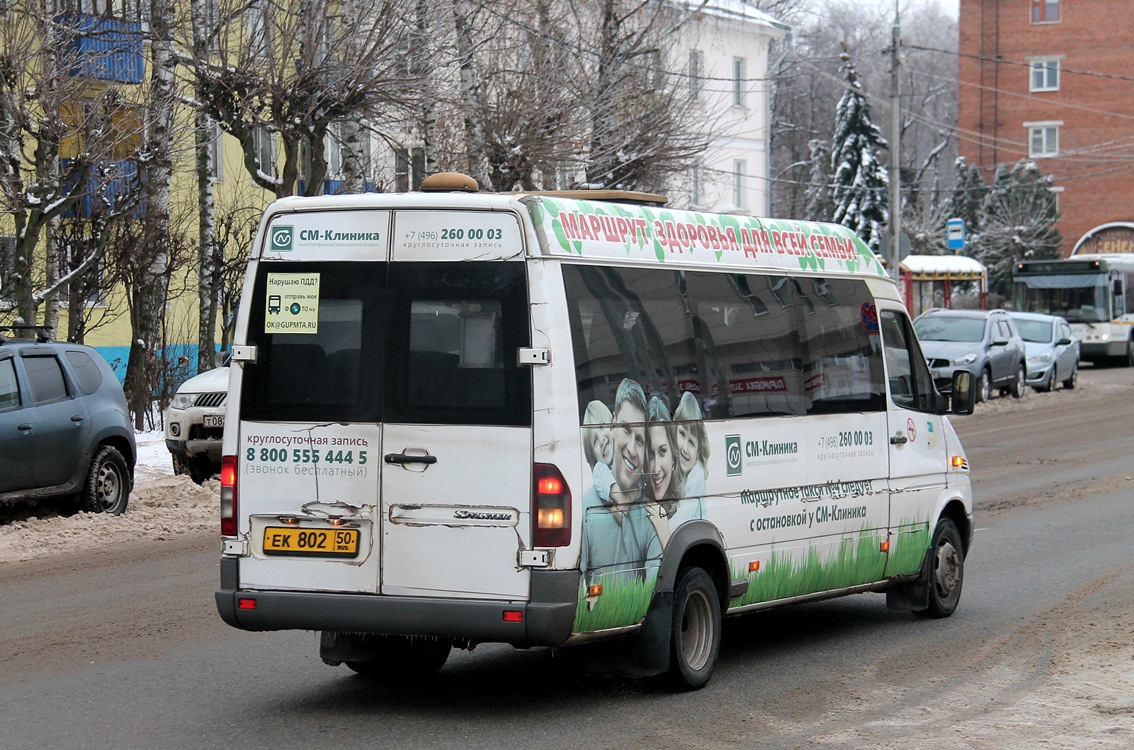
<point>719,56</point>
<point>726,45</point>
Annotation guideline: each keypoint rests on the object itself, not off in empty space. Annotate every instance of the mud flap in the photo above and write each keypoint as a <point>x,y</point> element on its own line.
<point>913,595</point>
<point>651,643</point>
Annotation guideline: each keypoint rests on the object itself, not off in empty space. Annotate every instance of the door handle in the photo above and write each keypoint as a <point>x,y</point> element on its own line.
<point>401,459</point>
<point>899,439</point>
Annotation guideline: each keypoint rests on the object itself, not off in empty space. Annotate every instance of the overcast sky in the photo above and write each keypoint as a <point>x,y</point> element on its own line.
<point>949,6</point>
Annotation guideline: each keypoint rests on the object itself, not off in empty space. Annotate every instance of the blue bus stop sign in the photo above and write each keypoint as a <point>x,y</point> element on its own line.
<point>955,234</point>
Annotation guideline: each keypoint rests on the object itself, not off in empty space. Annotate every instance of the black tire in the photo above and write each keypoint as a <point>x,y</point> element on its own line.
<point>107,487</point>
<point>1073,378</point>
<point>1019,387</point>
<point>1048,383</point>
<point>402,659</point>
<point>946,570</point>
<point>198,469</point>
<point>984,386</point>
<point>695,633</point>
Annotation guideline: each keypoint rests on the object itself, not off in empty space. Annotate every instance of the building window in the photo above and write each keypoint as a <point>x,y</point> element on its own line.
<point>214,133</point>
<point>260,35</point>
<point>1043,138</point>
<point>334,152</point>
<point>124,10</point>
<point>696,186</point>
<point>409,168</point>
<point>1057,191</point>
<point>656,71</point>
<point>738,82</point>
<point>1045,11</point>
<point>696,73</point>
<point>1044,74</point>
<point>739,197</point>
<point>265,150</point>
<point>7,248</point>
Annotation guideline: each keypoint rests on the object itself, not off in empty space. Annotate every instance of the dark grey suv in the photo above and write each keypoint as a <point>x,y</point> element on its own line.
<point>65,431</point>
<point>983,342</point>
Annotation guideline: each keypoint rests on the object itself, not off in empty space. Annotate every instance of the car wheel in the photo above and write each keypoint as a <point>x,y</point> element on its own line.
<point>107,488</point>
<point>946,571</point>
<point>1073,378</point>
<point>1048,383</point>
<point>1128,360</point>
<point>398,658</point>
<point>1019,385</point>
<point>695,632</point>
<point>984,386</point>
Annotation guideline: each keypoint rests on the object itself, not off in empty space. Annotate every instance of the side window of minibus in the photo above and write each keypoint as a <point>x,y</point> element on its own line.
<point>911,384</point>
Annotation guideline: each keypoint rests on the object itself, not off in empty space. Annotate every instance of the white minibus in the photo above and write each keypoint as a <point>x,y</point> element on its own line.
<point>548,419</point>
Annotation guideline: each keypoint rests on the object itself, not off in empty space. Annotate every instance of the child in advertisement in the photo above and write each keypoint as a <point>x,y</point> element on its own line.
<point>692,445</point>
<point>598,448</point>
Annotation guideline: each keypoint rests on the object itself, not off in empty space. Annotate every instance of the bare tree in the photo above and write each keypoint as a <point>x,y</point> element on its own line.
<point>287,72</point>
<point>58,137</point>
<point>642,129</point>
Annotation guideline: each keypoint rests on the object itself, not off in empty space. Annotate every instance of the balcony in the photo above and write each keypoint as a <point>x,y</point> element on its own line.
<point>103,48</point>
<point>103,192</point>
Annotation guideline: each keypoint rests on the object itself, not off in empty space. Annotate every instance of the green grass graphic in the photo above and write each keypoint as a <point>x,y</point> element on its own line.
<point>909,552</point>
<point>623,601</point>
<point>783,574</point>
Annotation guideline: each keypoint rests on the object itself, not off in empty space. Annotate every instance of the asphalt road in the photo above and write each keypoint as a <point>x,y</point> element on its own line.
<point>123,649</point>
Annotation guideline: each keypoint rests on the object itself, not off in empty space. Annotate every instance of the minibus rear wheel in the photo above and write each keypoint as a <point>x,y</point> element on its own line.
<point>400,658</point>
<point>695,635</point>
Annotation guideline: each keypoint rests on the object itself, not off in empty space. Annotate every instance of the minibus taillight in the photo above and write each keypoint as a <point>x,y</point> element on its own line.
<point>228,496</point>
<point>551,508</point>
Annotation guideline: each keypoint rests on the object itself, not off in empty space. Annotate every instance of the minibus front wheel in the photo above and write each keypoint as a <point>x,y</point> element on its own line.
<point>946,570</point>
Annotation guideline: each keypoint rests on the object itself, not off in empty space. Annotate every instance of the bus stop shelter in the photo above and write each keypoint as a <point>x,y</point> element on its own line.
<point>928,280</point>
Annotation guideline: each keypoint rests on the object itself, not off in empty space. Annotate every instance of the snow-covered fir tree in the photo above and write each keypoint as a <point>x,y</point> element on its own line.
<point>860,182</point>
<point>820,207</point>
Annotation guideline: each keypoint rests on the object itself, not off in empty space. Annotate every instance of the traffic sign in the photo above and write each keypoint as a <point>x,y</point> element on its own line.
<point>955,234</point>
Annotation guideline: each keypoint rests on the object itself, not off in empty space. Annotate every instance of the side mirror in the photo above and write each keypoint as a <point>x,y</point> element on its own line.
<point>964,392</point>
<point>1063,342</point>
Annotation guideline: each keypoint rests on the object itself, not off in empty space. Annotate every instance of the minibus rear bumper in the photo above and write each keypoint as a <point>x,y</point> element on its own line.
<point>544,620</point>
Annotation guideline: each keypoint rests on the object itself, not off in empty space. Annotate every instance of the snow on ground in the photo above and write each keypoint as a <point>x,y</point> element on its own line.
<point>161,506</point>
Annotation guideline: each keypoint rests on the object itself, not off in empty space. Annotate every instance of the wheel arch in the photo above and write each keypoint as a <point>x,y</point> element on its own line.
<point>696,543</point>
<point>956,512</point>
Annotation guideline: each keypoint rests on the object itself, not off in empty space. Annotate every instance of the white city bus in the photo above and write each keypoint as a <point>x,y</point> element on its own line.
<point>543,420</point>
<point>1093,291</point>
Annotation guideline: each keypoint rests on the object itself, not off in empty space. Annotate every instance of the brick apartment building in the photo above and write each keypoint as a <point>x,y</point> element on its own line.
<point>1053,80</point>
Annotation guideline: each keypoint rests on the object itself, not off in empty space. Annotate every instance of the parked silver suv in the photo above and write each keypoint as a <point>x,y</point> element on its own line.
<point>194,424</point>
<point>983,342</point>
<point>65,431</point>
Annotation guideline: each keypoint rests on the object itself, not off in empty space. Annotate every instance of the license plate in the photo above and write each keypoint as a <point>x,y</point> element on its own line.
<point>213,420</point>
<point>309,542</point>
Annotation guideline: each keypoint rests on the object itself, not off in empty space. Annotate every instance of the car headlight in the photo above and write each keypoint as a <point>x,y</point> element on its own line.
<point>1104,337</point>
<point>1039,359</point>
<point>968,359</point>
<point>183,400</point>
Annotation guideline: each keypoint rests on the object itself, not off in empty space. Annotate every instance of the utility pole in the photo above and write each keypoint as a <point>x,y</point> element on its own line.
<point>895,146</point>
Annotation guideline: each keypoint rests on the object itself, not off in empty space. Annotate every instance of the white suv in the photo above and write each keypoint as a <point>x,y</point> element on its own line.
<point>194,424</point>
